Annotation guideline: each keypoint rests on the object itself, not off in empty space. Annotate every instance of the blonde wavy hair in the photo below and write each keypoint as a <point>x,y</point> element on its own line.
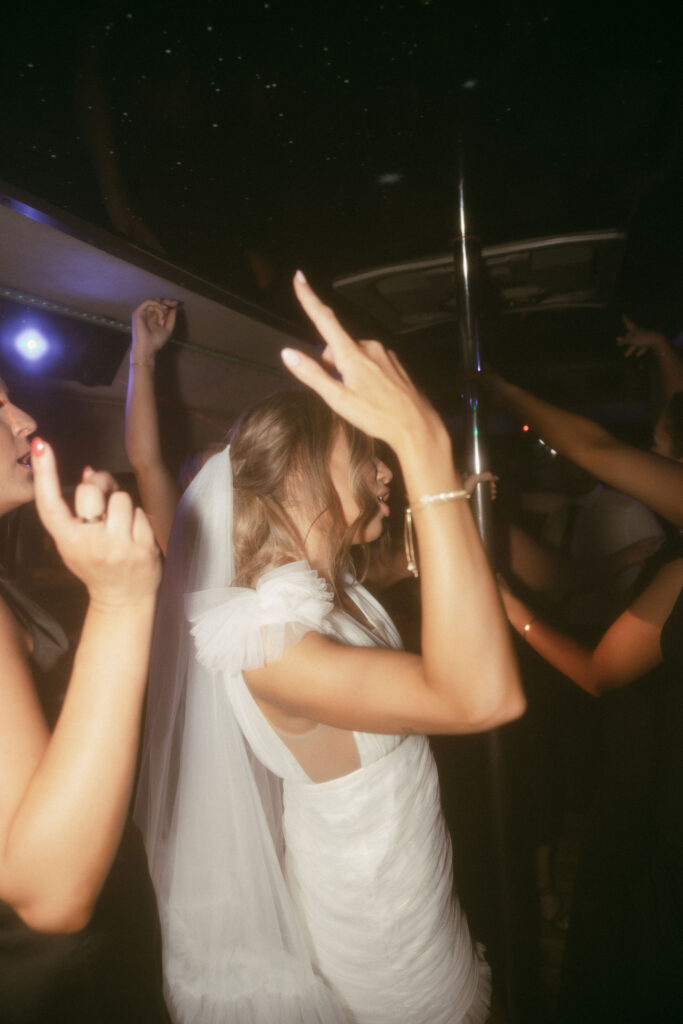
<point>280,454</point>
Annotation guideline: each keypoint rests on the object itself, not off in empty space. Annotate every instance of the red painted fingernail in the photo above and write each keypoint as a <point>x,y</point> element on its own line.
<point>37,446</point>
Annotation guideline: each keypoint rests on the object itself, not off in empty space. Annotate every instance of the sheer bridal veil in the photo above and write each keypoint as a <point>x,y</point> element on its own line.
<point>234,949</point>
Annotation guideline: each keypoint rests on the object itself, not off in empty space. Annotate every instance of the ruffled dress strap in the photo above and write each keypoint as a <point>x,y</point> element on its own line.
<point>237,628</point>
<point>240,628</point>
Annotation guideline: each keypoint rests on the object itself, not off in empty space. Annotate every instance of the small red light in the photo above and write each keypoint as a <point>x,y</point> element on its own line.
<point>525,428</point>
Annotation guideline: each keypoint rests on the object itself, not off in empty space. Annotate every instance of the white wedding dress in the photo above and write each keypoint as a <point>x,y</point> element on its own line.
<point>367,857</point>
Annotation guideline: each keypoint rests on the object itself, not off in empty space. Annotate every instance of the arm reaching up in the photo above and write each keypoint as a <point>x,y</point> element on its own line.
<point>466,679</point>
<point>653,479</point>
<point>628,650</point>
<point>637,341</point>
<point>153,323</point>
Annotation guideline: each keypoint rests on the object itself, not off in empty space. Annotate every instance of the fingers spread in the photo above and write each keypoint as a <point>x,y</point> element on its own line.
<point>374,392</point>
<point>327,356</point>
<point>311,373</point>
<point>323,318</point>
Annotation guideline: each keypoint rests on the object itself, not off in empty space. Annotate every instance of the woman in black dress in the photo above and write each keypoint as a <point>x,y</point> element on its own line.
<point>79,936</point>
<point>625,944</point>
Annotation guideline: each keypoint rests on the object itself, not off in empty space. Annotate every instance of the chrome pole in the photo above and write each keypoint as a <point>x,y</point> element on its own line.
<point>466,253</point>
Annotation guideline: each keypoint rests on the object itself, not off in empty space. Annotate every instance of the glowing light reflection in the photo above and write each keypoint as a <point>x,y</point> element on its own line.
<point>31,344</point>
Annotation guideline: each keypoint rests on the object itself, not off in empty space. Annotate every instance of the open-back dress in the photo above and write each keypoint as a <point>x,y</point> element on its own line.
<point>367,857</point>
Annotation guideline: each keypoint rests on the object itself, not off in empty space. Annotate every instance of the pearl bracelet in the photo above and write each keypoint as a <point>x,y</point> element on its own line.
<point>437,499</point>
<point>420,503</point>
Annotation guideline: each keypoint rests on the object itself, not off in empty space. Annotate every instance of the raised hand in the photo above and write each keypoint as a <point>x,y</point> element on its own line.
<point>375,393</point>
<point>638,340</point>
<point>108,544</point>
<point>153,324</point>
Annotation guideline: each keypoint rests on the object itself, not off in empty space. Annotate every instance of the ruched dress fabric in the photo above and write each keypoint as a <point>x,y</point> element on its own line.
<point>367,856</point>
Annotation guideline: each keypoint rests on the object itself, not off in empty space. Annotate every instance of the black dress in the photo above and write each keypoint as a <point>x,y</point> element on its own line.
<point>624,954</point>
<point>663,939</point>
<point>110,972</point>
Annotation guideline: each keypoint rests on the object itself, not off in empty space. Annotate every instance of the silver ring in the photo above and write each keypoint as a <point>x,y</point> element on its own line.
<point>87,520</point>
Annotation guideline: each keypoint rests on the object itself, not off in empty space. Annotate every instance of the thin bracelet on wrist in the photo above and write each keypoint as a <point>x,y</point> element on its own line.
<point>438,499</point>
<point>417,506</point>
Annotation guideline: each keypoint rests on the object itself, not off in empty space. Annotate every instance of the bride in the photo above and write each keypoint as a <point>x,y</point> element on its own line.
<point>288,796</point>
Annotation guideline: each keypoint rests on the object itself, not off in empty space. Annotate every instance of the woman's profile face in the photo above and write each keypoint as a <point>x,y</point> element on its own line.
<point>16,478</point>
<point>377,476</point>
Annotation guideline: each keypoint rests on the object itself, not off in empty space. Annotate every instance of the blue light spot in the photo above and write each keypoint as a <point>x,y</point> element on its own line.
<point>31,344</point>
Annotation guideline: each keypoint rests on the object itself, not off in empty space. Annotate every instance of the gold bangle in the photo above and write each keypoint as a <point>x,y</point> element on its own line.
<point>409,544</point>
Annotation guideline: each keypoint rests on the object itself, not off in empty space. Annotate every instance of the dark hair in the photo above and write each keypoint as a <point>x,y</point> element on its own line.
<point>673,423</point>
<point>280,453</point>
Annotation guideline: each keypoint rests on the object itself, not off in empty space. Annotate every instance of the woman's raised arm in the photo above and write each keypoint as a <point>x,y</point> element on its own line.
<point>639,340</point>
<point>467,677</point>
<point>152,326</point>
<point>650,478</point>
<point>64,797</point>
<point>629,648</point>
